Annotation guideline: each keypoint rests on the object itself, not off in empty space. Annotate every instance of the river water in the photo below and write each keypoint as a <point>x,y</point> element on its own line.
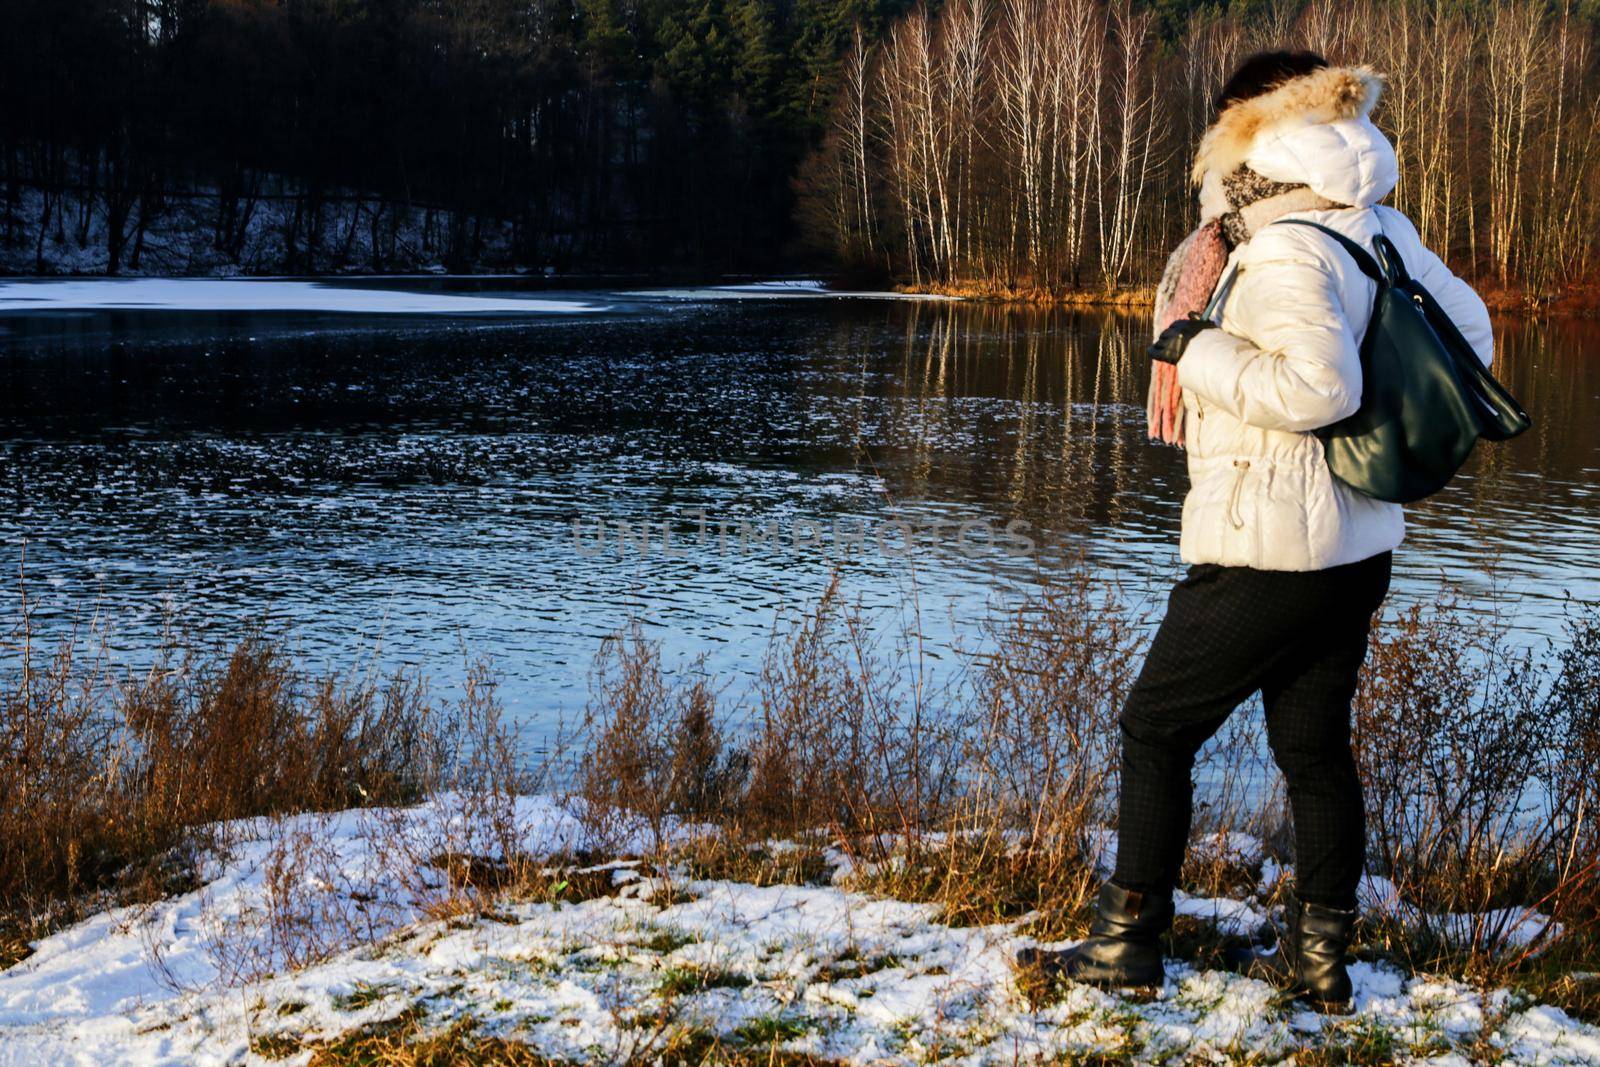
<point>429,490</point>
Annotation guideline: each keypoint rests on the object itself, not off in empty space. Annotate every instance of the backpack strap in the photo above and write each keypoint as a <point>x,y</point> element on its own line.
<point>1220,295</point>
<point>1383,275</point>
<point>1363,258</point>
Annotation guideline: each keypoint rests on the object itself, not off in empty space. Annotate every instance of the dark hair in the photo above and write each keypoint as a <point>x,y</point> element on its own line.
<point>1264,72</point>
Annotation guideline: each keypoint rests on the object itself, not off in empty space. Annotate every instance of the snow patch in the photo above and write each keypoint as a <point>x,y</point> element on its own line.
<point>1503,927</point>
<point>849,976</point>
<point>209,294</point>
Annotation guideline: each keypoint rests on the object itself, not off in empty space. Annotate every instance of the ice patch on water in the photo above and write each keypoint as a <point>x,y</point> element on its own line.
<point>208,294</point>
<point>795,289</point>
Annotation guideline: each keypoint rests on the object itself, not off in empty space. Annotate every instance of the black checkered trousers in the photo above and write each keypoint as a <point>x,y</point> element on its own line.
<point>1299,637</point>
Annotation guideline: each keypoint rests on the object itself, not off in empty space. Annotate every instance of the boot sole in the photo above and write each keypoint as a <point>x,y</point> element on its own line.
<point>1054,972</point>
<point>1119,983</point>
<point>1328,1007</point>
<point>1286,982</point>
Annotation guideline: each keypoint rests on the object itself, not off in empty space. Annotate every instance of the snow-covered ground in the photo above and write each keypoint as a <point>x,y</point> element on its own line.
<point>207,978</point>
<point>210,294</point>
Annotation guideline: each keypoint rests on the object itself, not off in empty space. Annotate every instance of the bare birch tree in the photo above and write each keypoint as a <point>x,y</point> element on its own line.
<point>1513,65</point>
<point>1126,170</point>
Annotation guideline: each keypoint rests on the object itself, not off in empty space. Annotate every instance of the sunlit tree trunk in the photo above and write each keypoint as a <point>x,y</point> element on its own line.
<point>852,127</point>
<point>1127,169</point>
<point>1020,76</point>
<point>1514,66</point>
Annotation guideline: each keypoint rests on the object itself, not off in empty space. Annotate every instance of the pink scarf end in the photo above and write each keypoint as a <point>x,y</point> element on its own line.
<point>1203,256</point>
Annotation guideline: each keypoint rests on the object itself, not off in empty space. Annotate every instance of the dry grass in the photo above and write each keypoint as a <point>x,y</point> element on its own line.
<point>106,779</point>
<point>983,796</point>
<point>1137,297</point>
<point>459,854</point>
<point>655,751</point>
<point>408,1041</point>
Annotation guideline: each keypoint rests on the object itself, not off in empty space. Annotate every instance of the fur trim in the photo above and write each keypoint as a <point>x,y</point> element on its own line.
<point>1213,198</point>
<point>1325,95</point>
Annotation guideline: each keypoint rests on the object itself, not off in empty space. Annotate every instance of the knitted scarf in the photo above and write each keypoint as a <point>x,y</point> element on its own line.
<point>1191,276</point>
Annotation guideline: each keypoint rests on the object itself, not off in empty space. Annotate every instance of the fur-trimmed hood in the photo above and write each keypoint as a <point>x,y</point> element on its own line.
<point>1312,130</point>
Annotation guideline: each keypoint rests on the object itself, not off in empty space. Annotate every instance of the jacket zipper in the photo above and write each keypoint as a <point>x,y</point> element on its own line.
<point>1243,467</point>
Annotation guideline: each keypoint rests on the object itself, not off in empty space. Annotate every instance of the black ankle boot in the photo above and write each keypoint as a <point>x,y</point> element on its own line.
<point>1123,947</point>
<point>1309,956</point>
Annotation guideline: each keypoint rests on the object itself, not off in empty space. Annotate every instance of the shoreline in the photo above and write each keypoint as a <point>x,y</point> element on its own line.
<point>1581,301</point>
<point>1140,298</point>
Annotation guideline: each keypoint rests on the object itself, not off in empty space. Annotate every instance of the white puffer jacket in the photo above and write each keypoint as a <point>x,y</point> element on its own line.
<point>1286,360</point>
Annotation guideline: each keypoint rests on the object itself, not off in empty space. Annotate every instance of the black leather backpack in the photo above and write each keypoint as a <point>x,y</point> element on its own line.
<point>1426,398</point>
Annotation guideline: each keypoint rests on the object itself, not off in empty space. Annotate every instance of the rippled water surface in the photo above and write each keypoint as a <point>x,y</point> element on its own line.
<point>427,490</point>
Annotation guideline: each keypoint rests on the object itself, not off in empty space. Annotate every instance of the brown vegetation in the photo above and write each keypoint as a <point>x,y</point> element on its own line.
<point>105,778</point>
<point>987,799</point>
<point>409,1041</point>
<point>1003,293</point>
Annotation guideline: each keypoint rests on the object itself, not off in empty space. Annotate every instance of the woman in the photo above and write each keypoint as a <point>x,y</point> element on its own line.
<point>1288,565</point>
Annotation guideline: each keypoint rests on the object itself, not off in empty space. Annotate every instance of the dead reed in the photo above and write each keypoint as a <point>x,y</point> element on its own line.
<point>107,779</point>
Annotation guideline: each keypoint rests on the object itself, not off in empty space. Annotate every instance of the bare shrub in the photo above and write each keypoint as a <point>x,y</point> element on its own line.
<point>984,792</point>
<point>308,909</point>
<point>103,776</point>
<point>844,736</point>
<point>484,773</point>
<point>1574,773</point>
<point>1459,740</point>
<point>250,735</point>
<point>330,883</point>
<point>1040,744</point>
<point>655,750</point>
<point>464,846</point>
<point>62,768</point>
<point>1237,792</point>
<point>841,740</point>
<point>1044,759</point>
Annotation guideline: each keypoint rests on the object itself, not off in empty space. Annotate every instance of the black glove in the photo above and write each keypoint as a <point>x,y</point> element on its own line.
<point>1169,347</point>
